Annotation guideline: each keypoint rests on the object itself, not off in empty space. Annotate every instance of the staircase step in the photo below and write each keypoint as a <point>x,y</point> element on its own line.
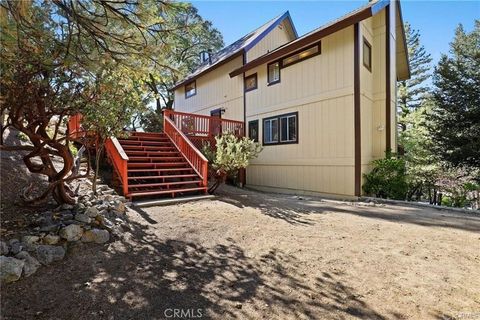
<point>161,170</point>
<point>149,138</point>
<point>172,176</point>
<point>145,143</point>
<point>155,159</point>
<point>151,153</point>
<point>171,191</point>
<point>140,134</point>
<point>156,165</point>
<point>163,184</point>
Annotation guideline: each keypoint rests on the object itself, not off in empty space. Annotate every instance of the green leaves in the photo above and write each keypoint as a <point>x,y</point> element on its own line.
<point>387,178</point>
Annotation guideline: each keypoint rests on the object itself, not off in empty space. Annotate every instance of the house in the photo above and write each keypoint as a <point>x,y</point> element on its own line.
<point>323,105</point>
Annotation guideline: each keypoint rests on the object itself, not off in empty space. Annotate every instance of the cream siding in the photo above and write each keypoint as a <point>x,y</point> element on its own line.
<point>215,90</point>
<point>280,35</point>
<point>321,90</point>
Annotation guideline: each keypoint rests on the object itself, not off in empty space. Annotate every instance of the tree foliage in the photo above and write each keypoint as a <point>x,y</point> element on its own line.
<point>387,178</point>
<point>62,57</point>
<point>412,92</point>
<point>229,155</point>
<point>455,120</point>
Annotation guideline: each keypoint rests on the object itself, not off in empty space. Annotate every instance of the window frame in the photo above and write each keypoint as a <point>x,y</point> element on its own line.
<point>278,118</point>
<point>185,89</point>
<point>365,42</point>
<point>250,123</point>
<point>245,82</point>
<point>318,44</point>
<point>279,72</point>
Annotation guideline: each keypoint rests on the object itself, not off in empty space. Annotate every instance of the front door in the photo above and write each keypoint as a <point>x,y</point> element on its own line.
<point>216,125</point>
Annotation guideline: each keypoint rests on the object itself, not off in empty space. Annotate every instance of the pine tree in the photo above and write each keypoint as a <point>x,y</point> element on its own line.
<point>456,115</point>
<point>412,92</point>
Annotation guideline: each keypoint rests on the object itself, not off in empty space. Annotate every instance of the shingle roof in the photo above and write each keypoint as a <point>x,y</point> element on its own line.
<point>241,45</point>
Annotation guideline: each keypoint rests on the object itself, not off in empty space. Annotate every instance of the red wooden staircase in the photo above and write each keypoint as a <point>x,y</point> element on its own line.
<point>154,166</point>
<point>163,164</point>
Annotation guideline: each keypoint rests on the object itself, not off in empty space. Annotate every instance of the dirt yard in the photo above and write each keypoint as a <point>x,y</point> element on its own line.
<point>250,255</point>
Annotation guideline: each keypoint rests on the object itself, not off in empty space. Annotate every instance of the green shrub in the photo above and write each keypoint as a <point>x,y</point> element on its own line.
<point>22,137</point>
<point>387,178</point>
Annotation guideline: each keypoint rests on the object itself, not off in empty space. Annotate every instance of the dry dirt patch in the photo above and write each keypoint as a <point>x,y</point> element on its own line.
<point>252,255</point>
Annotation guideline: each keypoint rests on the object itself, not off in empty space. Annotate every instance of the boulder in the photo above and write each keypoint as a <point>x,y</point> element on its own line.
<point>15,246</point>
<point>82,218</point>
<point>30,239</point>
<point>47,254</point>
<point>30,263</point>
<point>96,235</point>
<point>3,248</point>
<point>66,207</point>
<point>72,232</point>
<point>119,206</point>
<point>51,239</point>
<point>92,212</point>
<point>10,269</point>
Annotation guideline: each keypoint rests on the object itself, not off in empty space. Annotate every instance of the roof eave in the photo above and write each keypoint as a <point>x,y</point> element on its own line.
<point>311,38</point>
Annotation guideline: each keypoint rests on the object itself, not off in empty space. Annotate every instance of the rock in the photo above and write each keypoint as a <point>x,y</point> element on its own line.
<point>67,216</point>
<point>92,212</point>
<point>80,207</point>
<point>96,235</point>
<point>82,218</point>
<point>3,248</point>
<point>30,263</point>
<point>50,228</point>
<point>71,232</point>
<point>47,254</point>
<point>51,239</point>
<point>119,206</point>
<point>10,269</point>
<point>67,207</point>
<point>15,246</point>
<point>30,239</point>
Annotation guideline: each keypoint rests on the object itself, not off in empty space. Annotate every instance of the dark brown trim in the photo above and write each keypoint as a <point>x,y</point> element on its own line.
<point>279,73</point>
<point>388,103</point>
<point>213,67</point>
<point>256,122</point>
<point>318,44</point>
<point>315,36</point>
<point>356,111</point>
<point>404,37</point>
<point>369,66</point>
<point>243,172</point>
<point>185,88</point>
<point>279,128</point>
<point>245,82</point>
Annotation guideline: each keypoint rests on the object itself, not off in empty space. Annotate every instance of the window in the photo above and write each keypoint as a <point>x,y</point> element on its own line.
<point>281,129</point>
<point>367,55</point>
<point>190,89</point>
<point>253,130</point>
<point>301,55</point>
<point>274,72</point>
<point>251,82</point>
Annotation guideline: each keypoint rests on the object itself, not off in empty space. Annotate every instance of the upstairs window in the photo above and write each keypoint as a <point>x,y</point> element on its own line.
<point>367,55</point>
<point>253,130</point>
<point>251,82</point>
<point>190,89</point>
<point>274,73</point>
<point>301,55</point>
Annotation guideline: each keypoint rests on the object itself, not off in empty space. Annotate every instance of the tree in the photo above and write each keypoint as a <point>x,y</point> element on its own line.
<point>455,119</point>
<point>412,92</point>
<point>229,155</point>
<point>183,57</point>
<point>52,53</point>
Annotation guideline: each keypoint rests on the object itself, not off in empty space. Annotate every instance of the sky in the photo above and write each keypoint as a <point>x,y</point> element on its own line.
<point>436,20</point>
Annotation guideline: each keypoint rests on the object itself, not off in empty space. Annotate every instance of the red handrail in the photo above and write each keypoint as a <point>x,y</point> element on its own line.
<point>75,126</point>
<point>119,160</point>
<point>194,157</point>
<point>204,126</point>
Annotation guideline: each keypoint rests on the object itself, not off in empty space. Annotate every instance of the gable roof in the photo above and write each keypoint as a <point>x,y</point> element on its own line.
<point>237,48</point>
<point>368,10</point>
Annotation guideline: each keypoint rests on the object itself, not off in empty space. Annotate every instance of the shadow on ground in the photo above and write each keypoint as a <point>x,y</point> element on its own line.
<point>143,277</point>
<point>298,210</point>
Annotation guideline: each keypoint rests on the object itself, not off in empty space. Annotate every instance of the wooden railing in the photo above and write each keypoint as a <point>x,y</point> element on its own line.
<point>119,160</point>
<point>200,128</point>
<point>75,127</point>
<point>193,156</point>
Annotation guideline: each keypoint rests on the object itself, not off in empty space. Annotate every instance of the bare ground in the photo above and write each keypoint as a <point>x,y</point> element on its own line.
<point>250,255</point>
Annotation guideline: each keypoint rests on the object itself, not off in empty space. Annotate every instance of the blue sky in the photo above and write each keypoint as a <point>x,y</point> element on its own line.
<point>436,20</point>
